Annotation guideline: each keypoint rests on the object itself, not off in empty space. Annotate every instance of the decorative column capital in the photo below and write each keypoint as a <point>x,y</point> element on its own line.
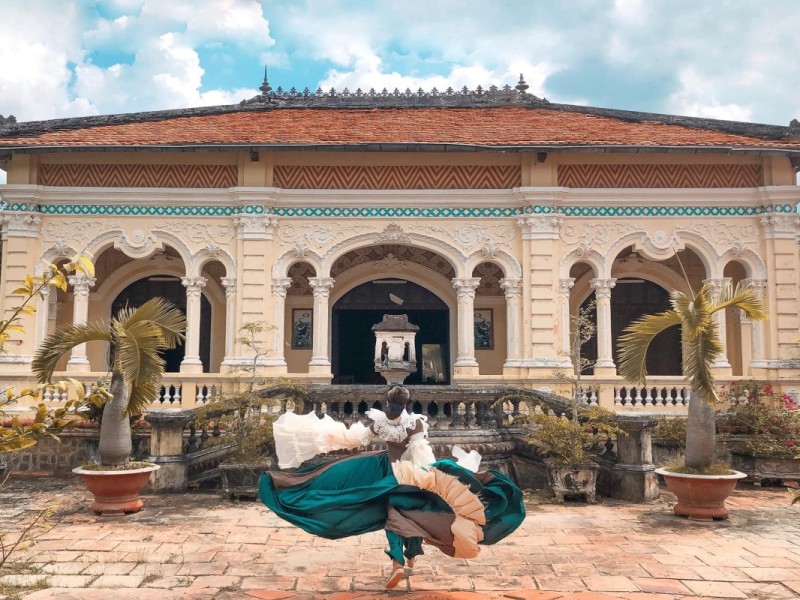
<point>717,285</point>
<point>512,287</point>
<point>255,226</point>
<point>280,286</point>
<point>81,283</point>
<point>780,225</point>
<point>321,286</point>
<point>602,287</point>
<point>760,285</point>
<point>229,283</point>
<point>20,224</point>
<point>194,285</point>
<point>542,226</point>
<point>466,286</point>
<point>565,287</point>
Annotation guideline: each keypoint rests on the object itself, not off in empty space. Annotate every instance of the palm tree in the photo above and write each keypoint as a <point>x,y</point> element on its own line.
<point>701,345</point>
<point>137,337</point>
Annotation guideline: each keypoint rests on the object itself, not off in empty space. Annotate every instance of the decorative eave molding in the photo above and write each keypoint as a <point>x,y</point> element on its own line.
<point>517,202</point>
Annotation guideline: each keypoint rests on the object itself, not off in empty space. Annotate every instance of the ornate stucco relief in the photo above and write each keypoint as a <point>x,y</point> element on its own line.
<point>79,230</point>
<point>595,235</point>
<point>471,236</point>
<point>724,234</point>
<point>201,233</point>
<point>316,235</point>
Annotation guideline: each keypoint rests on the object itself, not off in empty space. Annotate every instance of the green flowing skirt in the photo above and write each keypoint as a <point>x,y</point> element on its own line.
<point>355,494</point>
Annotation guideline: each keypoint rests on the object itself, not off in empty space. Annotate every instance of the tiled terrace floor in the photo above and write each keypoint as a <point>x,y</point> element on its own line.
<point>200,546</point>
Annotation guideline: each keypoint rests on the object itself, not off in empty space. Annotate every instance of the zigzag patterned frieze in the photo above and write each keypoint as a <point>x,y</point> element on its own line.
<point>127,175</point>
<point>398,177</point>
<point>659,176</point>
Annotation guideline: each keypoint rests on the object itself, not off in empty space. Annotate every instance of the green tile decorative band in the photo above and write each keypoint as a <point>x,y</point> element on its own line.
<point>17,207</point>
<point>304,211</point>
<point>143,211</point>
<point>392,212</point>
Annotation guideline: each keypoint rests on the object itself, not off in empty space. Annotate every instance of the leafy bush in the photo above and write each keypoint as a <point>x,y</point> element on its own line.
<point>573,442</point>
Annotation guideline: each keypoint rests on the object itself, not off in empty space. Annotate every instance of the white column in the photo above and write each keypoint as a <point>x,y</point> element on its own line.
<point>465,290</point>
<point>513,290</point>
<point>602,292</point>
<point>757,327</point>
<point>717,285</point>
<point>280,286</point>
<point>564,290</point>
<point>194,289</point>
<point>229,283</point>
<point>322,290</point>
<point>80,314</point>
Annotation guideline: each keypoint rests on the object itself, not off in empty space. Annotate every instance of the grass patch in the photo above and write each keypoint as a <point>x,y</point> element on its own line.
<point>11,591</point>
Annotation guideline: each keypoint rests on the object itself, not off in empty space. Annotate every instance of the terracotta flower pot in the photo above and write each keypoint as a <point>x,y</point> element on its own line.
<point>701,496</point>
<point>116,492</point>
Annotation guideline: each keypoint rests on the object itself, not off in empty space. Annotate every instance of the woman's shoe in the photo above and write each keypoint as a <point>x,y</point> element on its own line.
<point>394,578</point>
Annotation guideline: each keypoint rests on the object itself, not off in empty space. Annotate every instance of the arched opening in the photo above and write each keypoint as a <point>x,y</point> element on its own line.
<point>735,329</point>
<point>298,318</point>
<point>353,341</point>
<point>170,288</point>
<point>490,319</point>
<point>631,299</point>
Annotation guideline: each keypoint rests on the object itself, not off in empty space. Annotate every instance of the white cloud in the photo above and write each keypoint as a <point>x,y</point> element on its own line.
<point>730,59</point>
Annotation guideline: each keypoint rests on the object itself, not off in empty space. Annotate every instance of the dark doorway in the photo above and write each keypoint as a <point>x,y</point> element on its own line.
<point>353,341</point>
<point>169,288</point>
<point>633,298</point>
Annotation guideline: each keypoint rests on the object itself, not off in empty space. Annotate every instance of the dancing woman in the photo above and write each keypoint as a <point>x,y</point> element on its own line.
<point>403,490</point>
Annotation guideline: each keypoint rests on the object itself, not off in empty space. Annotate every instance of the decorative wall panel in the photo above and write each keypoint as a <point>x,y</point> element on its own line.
<point>122,175</point>
<point>398,178</point>
<point>659,176</point>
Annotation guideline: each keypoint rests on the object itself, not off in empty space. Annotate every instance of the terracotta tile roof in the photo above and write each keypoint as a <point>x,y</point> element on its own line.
<point>510,126</point>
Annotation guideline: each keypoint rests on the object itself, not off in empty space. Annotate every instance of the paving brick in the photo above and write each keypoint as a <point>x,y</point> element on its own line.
<point>762,574</point>
<point>715,589</point>
<point>70,581</point>
<point>215,581</point>
<point>661,586</point>
<point>117,581</point>
<point>609,583</point>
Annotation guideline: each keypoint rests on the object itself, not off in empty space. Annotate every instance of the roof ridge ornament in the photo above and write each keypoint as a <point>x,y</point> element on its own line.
<point>481,96</point>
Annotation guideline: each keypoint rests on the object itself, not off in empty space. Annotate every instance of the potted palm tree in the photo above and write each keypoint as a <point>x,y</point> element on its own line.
<point>137,336</point>
<point>700,486</point>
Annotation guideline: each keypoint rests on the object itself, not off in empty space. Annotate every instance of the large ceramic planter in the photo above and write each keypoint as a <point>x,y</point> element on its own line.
<point>573,480</point>
<point>116,492</point>
<point>701,496</point>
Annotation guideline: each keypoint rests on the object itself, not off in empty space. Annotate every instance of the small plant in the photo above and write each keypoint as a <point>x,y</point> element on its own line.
<point>670,429</point>
<point>576,441</point>
<point>241,414</point>
<point>18,434</point>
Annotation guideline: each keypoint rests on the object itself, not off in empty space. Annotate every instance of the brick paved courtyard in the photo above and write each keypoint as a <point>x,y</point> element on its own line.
<point>200,546</point>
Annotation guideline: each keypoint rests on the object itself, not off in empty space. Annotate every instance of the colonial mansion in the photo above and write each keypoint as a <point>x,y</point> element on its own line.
<point>489,217</point>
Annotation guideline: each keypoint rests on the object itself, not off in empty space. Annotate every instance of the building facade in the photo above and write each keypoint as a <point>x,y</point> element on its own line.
<point>487,216</point>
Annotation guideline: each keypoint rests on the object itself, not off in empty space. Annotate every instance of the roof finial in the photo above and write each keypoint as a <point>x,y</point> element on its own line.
<point>265,86</point>
<point>521,86</point>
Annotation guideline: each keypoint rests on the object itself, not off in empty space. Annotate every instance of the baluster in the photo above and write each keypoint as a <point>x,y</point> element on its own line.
<point>469,414</point>
<point>47,396</point>
<point>635,398</point>
<point>617,396</point>
<point>433,415</point>
<point>687,396</point>
<point>648,398</point>
<point>203,436</point>
<point>176,397</point>
<point>191,443</point>
<point>202,394</point>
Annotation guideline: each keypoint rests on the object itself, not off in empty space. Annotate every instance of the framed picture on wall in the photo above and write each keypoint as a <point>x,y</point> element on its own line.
<point>302,328</point>
<point>484,329</point>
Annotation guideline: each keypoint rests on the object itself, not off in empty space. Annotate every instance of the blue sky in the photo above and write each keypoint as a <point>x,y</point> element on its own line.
<point>728,59</point>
